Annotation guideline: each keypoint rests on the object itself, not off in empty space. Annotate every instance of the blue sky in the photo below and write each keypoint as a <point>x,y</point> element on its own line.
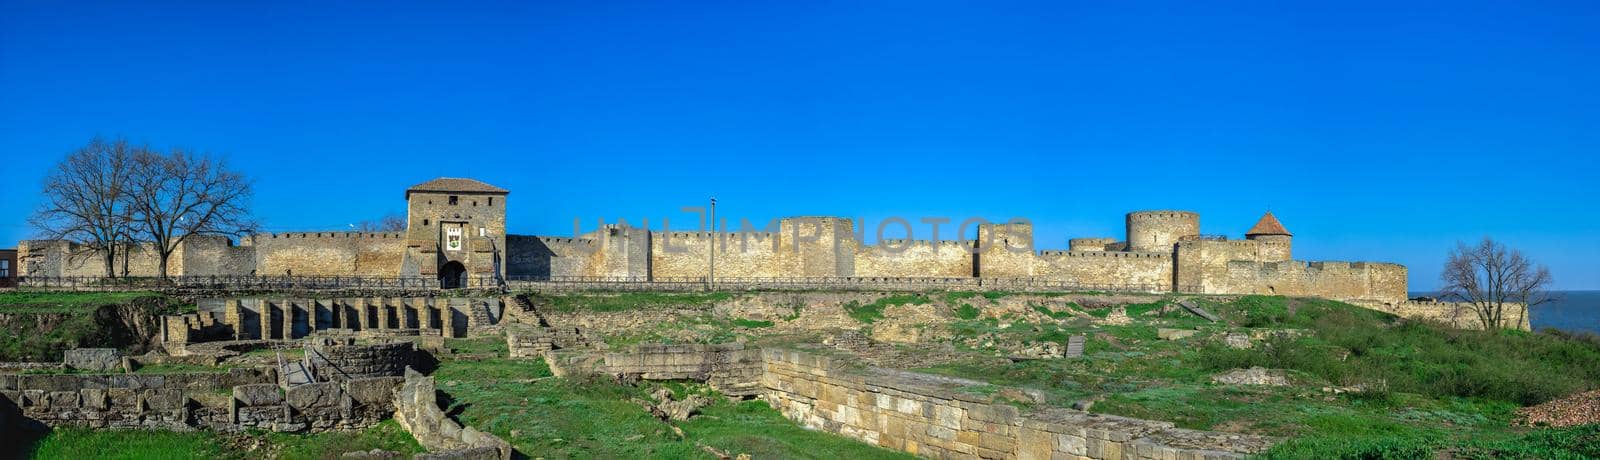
<point>1375,131</point>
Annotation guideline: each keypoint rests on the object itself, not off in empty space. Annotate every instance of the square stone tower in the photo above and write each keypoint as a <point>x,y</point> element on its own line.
<point>456,231</point>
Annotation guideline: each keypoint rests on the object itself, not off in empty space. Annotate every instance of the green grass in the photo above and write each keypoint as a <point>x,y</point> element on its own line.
<point>61,320</point>
<point>1430,388</point>
<point>386,435</point>
<point>625,301</point>
<point>64,302</point>
<point>1582,442</point>
<point>874,311</point>
<point>967,311</point>
<point>180,369</point>
<point>78,443</point>
<point>751,323</point>
<point>566,418</point>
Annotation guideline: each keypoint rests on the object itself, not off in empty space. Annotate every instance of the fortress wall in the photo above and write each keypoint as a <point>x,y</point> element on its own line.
<point>542,256</point>
<point>826,247</point>
<point>1091,244</point>
<point>1204,263</point>
<point>64,258</point>
<point>626,252</point>
<point>215,255</point>
<point>329,253</point>
<point>1109,268</point>
<point>916,258</point>
<point>939,417</point>
<point>742,255</point>
<point>1007,250</point>
<point>1456,314</point>
<point>1348,281</point>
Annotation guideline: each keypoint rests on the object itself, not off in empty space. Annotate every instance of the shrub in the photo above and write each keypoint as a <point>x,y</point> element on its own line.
<point>967,311</point>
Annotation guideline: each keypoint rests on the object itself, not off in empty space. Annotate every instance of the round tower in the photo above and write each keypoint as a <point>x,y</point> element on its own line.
<point>1159,231</point>
<point>1276,242</point>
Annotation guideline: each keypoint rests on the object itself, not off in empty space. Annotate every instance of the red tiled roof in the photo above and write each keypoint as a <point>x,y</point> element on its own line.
<point>1268,225</point>
<point>453,184</point>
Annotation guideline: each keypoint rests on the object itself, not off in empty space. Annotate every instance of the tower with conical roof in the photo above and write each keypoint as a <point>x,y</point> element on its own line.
<point>1276,241</point>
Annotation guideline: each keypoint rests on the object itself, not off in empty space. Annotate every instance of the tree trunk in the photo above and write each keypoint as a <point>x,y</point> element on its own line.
<point>111,262</point>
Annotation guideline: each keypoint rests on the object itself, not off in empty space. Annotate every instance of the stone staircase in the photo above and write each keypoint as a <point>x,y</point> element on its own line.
<point>478,315</point>
<point>1075,346</point>
<point>521,307</point>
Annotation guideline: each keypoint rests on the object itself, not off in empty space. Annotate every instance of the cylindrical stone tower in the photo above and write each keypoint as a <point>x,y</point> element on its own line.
<point>1158,231</point>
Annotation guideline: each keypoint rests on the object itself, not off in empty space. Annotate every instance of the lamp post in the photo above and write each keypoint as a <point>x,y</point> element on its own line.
<point>711,276</point>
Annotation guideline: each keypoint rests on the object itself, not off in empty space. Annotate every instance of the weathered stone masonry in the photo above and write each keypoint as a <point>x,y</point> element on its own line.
<point>922,414</point>
<point>456,232</point>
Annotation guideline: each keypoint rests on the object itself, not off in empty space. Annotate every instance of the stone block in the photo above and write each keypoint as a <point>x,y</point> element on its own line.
<point>93,359</point>
<point>164,399</point>
<point>61,400</point>
<point>261,394</point>
<point>1070,444</point>
<point>32,398</point>
<point>1174,334</point>
<point>92,398</point>
<point>314,395</point>
<point>1034,444</point>
<point>123,397</point>
<point>377,391</point>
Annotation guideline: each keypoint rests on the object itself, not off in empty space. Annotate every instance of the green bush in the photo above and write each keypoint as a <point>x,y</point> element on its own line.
<point>967,311</point>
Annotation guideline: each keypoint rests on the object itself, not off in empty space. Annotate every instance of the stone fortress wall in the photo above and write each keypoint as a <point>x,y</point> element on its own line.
<point>1162,251</point>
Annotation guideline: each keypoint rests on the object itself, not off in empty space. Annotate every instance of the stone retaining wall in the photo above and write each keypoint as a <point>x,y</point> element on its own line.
<point>730,368</point>
<point>417,409</point>
<point>351,361</point>
<point>352,404</point>
<point>238,399</point>
<point>930,416</point>
<point>169,401</point>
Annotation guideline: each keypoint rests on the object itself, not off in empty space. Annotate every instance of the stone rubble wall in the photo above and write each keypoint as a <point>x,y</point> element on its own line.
<point>166,401</point>
<point>417,409</point>
<point>352,404</point>
<point>929,416</point>
<point>1455,314</point>
<point>351,361</point>
<point>730,368</point>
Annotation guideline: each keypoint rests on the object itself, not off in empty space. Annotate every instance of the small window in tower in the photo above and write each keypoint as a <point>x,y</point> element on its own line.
<point>452,200</point>
<point>483,231</point>
<point>491,201</point>
<point>424,222</point>
<point>474,203</point>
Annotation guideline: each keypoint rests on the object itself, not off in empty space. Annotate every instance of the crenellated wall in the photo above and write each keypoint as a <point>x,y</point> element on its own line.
<point>328,253</point>
<point>1107,268</point>
<point>740,255</point>
<point>915,258</point>
<point>1359,282</point>
<point>1163,250</point>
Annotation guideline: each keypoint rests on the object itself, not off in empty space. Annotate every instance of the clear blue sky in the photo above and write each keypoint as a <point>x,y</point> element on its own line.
<point>1376,131</point>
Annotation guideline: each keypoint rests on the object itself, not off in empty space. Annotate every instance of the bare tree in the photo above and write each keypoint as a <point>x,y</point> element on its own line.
<point>389,223</point>
<point>1491,278</point>
<point>182,194</point>
<point>86,201</point>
